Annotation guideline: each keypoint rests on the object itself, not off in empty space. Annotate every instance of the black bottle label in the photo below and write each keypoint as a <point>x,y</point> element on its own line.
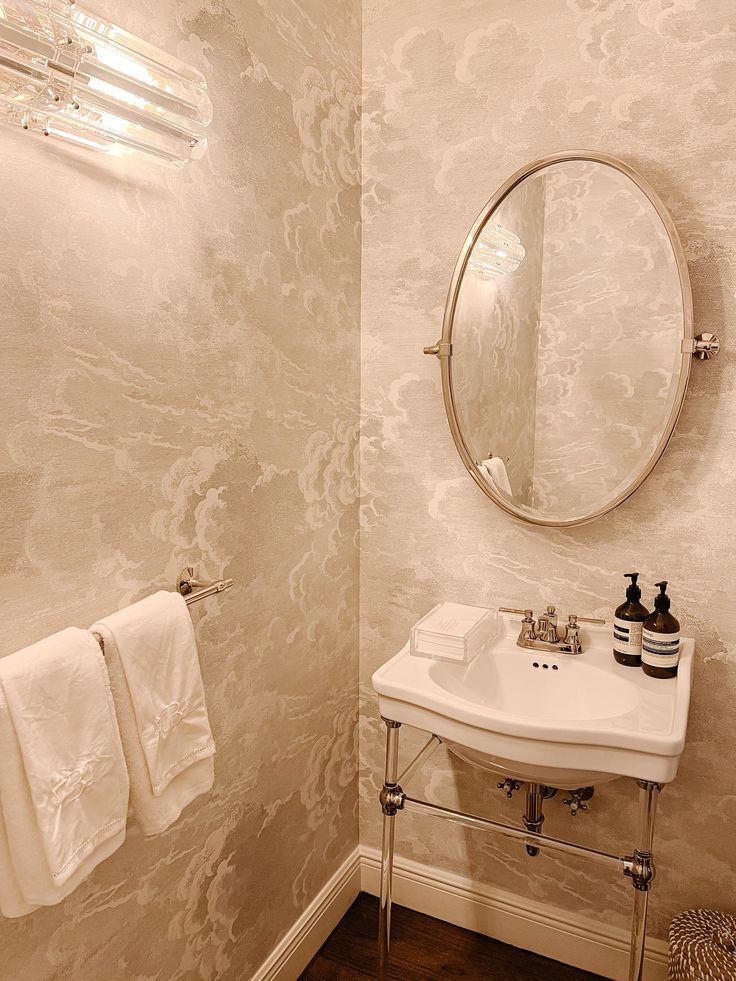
<point>660,650</point>
<point>627,636</point>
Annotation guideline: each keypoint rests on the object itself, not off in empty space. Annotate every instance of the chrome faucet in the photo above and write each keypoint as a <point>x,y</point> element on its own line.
<point>547,626</point>
<point>543,635</point>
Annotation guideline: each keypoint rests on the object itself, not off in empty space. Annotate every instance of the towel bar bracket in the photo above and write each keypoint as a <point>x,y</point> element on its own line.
<point>186,584</point>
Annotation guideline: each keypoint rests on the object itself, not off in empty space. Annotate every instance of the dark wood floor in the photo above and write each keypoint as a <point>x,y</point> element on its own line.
<point>425,949</point>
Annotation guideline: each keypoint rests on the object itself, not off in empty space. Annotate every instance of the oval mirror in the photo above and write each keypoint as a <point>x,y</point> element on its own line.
<point>567,339</point>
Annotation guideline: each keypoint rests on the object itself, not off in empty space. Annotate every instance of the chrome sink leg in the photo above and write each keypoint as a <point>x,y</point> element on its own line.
<point>640,868</point>
<point>392,800</point>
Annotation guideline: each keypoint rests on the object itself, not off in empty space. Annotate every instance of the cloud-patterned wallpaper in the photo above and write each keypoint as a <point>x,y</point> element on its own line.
<point>456,98</point>
<point>182,386</point>
<point>170,398</point>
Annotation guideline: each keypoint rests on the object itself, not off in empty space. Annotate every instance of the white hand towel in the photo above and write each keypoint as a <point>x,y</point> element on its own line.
<point>12,901</point>
<point>153,814</point>
<point>26,858</point>
<point>495,469</point>
<point>63,772</point>
<point>158,653</point>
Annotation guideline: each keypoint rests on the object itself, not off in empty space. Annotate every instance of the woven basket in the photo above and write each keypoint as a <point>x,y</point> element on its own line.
<point>703,946</point>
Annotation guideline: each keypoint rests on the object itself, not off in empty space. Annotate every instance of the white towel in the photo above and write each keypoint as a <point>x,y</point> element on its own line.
<point>12,901</point>
<point>153,814</point>
<point>158,654</point>
<point>495,470</point>
<point>28,873</point>
<point>63,782</point>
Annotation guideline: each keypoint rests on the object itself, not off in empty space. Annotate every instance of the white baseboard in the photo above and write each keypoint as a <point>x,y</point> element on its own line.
<point>296,949</point>
<point>555,933</point>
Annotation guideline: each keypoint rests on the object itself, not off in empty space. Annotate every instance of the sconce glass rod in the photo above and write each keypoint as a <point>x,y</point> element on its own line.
<point>496,253</point>
<point>66,74</point>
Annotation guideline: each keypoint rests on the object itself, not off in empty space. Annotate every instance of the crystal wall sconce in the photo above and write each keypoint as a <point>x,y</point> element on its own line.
<point>66,74</point>
<point>497,252</point>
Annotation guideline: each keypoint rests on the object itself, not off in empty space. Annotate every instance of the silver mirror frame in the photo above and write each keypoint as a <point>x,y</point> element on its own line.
<point>443,348</point>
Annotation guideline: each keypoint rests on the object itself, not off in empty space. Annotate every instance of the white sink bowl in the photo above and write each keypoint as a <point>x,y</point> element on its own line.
<point>560,719</point>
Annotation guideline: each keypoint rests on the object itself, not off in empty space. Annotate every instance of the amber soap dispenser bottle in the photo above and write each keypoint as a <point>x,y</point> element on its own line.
<point>627,625</point>
<point>661,638</point>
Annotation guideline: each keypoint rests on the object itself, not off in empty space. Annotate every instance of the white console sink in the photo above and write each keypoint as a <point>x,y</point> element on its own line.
<point>560,719</point>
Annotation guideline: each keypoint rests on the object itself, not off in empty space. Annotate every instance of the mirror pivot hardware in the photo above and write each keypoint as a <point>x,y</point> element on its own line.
<point>442,349</point>
<point>703,347</point>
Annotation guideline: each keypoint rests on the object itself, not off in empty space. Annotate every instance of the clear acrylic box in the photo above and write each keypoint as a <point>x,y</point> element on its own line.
<point>453,632</point>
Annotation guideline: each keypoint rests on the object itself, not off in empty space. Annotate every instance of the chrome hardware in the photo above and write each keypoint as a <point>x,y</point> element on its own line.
<point>576,799</point>
<point>389,806</point>
<point>533,817</point>
<point>510,786</point>
<point>546,637</point>
<point>547,626</point>
<point>440,350</point>
<point>392,800</point>
<point>640,868</point>
<point>572,636</point>
<point>704,347</point>
<point>186,584</point>
<point>527,627</point>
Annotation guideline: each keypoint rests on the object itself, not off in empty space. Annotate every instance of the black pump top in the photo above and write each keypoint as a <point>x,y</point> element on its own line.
<point>633,592</point>
<point>662,601</point>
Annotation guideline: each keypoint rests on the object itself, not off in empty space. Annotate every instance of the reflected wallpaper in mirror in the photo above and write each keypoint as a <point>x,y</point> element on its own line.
<point>566,361</point>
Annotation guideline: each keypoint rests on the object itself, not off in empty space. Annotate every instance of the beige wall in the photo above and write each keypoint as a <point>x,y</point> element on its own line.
<point>456,98</point>
<point>169,396</point>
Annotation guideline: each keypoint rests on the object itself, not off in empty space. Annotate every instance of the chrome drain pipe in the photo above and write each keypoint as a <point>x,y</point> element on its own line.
<point>533,818</point>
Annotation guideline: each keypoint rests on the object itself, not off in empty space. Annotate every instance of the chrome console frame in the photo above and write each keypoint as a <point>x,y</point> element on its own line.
<point>639,867</point>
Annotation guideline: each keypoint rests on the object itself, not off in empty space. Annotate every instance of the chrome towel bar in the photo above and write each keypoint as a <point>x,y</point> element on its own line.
<point>191,589</point>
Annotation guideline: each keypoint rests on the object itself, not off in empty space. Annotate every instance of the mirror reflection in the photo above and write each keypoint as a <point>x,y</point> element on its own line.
<point>566,341</point>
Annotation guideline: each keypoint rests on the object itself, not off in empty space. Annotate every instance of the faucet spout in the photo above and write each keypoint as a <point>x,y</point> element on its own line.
<point>548,626</point>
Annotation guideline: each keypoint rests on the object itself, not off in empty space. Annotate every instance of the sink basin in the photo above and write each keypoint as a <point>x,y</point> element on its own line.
<point>560,719</point>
